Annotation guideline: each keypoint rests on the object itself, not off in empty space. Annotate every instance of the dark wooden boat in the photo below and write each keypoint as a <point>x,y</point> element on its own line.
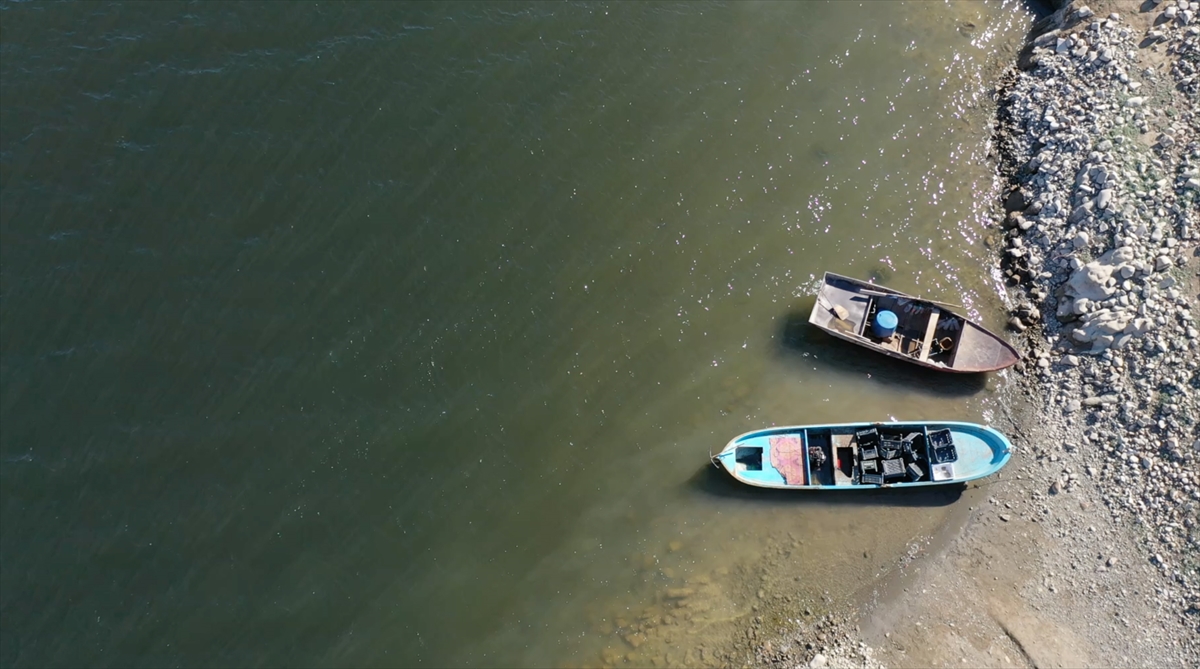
<point>925,333</point>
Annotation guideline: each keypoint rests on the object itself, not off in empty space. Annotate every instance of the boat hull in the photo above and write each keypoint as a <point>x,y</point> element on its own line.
<point>928,334</point>
<point>786,457</point>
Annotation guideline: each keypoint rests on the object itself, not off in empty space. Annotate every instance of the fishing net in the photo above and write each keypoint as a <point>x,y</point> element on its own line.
<point>787,456</point>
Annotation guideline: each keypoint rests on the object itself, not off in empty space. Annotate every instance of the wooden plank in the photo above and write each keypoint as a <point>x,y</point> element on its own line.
<point>927,342</point>
<point>915,297</point>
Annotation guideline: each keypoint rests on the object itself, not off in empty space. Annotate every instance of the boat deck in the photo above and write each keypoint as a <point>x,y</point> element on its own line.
<point>920,327</point>
<point>924,332</point>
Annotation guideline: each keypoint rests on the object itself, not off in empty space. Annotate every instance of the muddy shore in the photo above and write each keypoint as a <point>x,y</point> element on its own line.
<point>1086,550</point>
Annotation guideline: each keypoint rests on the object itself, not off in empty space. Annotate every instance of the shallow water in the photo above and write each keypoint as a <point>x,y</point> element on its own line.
<point>381,334</point>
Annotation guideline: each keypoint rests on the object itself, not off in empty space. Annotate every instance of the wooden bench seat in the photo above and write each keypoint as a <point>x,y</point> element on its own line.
<point>930,328</point>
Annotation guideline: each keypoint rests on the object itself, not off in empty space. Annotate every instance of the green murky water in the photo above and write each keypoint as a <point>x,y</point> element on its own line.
<point>387,334</point>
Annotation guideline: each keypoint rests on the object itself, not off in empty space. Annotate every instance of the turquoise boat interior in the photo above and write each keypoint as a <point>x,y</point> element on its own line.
<point>865,455</point>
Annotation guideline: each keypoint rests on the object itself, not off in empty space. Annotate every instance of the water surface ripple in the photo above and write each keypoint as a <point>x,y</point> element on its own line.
<point>379,334</point>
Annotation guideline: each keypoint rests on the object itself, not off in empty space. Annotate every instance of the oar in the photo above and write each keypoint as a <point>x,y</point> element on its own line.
<point>913,297</point>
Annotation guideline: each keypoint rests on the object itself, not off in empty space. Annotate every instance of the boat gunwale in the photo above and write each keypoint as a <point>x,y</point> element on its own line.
<point>1006,453</point>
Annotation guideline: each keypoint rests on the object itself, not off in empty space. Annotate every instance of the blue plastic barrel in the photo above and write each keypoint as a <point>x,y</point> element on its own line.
<point>885,324</point>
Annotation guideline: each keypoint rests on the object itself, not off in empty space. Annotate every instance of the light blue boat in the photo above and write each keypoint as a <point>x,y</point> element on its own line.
<point>865,455</point>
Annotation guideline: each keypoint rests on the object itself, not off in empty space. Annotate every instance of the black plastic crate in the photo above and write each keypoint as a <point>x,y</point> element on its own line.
<point>869,453</point>
<point>939,438</point>
<point>870,466</point>
<point>893,469</point>
<point>915,473</point>
<point>872,478</point>
<point>867,437</point>
<point>941,447</point>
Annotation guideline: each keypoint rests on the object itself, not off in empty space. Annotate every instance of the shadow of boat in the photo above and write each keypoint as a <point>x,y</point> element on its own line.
<point>712,481</point>
<point>800,341</point>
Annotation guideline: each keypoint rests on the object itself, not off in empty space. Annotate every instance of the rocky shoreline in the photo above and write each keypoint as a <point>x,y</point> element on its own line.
<point>1101,236</point>
<point>1087,551</point>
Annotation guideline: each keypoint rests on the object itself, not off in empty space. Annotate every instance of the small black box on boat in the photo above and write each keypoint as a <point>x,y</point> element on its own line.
<point>893,469</point>
<point>872,478</point>
<point>914,472</point>
<point>867,437</point>
<point>871,466</point>
<point>939,438</point>
<point>941,447</point>
<point>869,453</point>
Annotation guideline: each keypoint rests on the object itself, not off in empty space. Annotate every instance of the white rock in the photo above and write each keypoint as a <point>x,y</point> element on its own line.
<point>1161,263</point>
<point>1139,326</point>
<point>1135,102</point>
<point>819,661</point>
<point>1102,399</point>
<point>1111,326</point>
<point>1091,281</point>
